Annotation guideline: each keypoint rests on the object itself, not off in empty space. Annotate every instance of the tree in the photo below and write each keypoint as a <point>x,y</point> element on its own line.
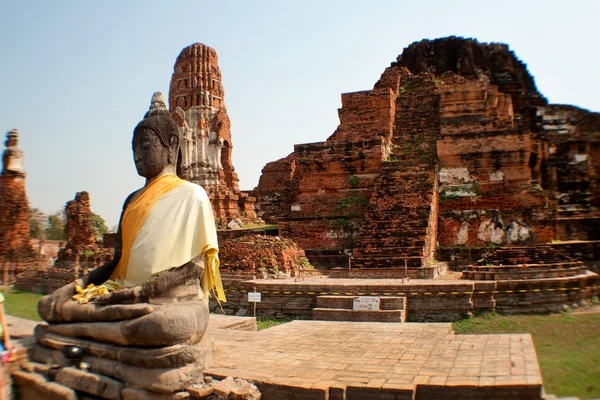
<point>56,227</point>
<point>36,228</point>
<point>99,226</point>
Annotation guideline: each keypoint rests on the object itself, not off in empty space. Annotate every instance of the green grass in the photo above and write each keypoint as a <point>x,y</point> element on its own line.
<point>267,322</point>
<point>567,346</point>
<point>22,304</point>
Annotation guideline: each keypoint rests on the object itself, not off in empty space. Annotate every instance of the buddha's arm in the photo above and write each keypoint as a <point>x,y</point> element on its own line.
<point>178,283</point>
<point>50,306</point>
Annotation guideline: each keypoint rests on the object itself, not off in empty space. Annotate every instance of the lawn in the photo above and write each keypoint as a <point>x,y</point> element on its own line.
<point>22,304</point>
<point>267,322</point>
<point>567,346</point>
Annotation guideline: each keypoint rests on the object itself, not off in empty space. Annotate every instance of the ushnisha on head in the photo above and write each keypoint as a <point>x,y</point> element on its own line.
<point>155,141</point>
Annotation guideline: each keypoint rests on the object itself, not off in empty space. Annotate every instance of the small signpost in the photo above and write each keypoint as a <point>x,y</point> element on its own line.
<point>254,297</point>
<point>366,303</point>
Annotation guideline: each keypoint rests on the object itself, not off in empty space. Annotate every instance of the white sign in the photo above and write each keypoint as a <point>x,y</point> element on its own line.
<point>366,303</point>
<point>253,297</point>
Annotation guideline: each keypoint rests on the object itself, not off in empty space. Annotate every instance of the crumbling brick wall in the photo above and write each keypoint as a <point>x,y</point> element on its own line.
<point>259,253</point>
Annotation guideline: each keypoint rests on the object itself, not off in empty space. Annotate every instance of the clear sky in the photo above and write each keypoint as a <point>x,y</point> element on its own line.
<point>77,76</point>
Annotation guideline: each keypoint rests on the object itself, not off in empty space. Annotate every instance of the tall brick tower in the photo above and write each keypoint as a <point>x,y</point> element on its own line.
<point>196,100</point>
<point>14,205</point>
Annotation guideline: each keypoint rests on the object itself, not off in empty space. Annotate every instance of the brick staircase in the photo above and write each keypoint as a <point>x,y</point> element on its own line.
<point>401,221</point>
<point>340,308</point>
<point>398,215</point>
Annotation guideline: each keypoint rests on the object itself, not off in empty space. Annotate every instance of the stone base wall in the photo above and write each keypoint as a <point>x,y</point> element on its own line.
<point>426,301</point>
<point>458,257</point>
<point>430,271</point>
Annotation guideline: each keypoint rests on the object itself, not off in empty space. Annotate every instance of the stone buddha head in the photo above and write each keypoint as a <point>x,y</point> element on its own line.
<point>155,140</point>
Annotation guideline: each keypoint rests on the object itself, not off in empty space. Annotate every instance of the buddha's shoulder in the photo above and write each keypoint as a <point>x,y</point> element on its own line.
<point>192,190</point>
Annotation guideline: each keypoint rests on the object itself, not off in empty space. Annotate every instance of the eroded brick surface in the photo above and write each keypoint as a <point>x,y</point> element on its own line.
<point>259,254</point>
<point>15,241</point>
<point>454,145</point>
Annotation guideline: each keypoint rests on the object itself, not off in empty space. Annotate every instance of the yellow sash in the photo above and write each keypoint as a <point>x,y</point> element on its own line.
<point>211,278</point>
<point>134,217</point>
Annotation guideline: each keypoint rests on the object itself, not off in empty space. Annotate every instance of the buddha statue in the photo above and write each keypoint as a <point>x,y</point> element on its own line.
<point>146,310</point>
<point>12,158</point>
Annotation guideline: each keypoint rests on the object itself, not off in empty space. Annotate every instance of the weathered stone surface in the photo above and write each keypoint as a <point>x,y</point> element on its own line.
<point>172,324</point>
<point>34,386</point>
<point>140,394</point>
<point>162,380</point>
<point>91,383</point>
<point>197,102</point>
<point>235,389</point>
<point>163,357</point>
<point>200,390</point>
<point>14,206</point>
<point>74,312</point>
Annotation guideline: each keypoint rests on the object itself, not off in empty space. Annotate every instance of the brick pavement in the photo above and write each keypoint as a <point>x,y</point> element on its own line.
<point>346,360</point>
<point>368,360</point>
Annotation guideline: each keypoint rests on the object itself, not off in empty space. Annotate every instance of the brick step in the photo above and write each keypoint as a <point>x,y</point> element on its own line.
<point>334,314</point>
<point>389,243</point>
<point>519,267</point>
<point>395,251</point>
<point>375,239</point>
<point>385,245</point>
<point>402,222</point>
<point>347,302</point>
<point>540,273</point>
<point>385,262</point>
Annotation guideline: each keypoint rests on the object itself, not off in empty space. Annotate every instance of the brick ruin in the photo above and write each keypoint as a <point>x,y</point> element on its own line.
<point>197,102</point>
<point>79,231</point>
<point>453,147</point>
<point>81,253</point>
<point>262,256</point>
<point>15,241</point>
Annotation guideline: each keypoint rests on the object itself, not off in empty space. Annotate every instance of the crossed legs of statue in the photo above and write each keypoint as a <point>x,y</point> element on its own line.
<point>169,309</point>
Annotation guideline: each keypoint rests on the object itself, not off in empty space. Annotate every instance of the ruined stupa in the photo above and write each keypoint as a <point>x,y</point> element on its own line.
<point>14,206</point>
<point>453,147</point>
<point>197,103</point>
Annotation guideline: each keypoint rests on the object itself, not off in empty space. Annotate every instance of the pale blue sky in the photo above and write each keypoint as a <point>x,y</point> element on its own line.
<point>77,76</point>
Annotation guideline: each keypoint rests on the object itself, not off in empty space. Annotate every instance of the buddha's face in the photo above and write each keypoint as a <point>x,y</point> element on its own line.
<point>149,154</point>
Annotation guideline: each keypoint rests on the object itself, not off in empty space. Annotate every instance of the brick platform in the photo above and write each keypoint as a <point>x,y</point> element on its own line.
<point>367,360</point>
<point>349,360</point>
<point>429,300</point>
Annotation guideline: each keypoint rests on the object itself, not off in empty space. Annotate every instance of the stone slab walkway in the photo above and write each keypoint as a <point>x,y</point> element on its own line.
<point>349,360</point>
